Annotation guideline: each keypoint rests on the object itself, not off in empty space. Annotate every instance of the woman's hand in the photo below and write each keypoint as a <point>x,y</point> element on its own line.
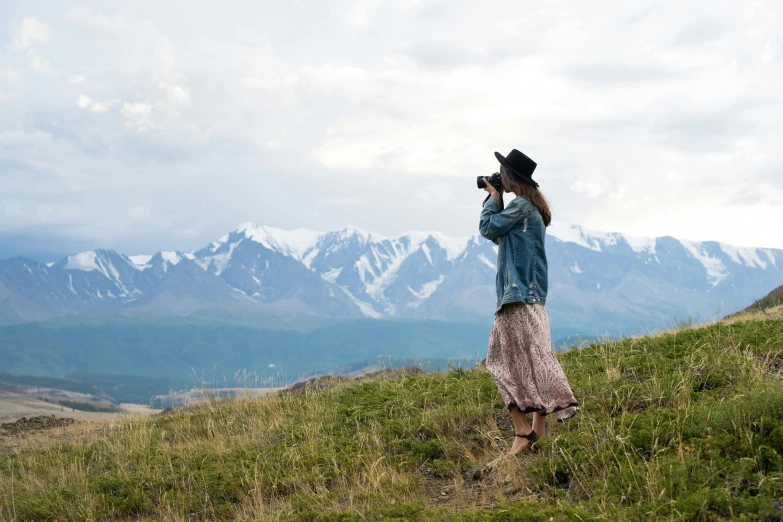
<point>493,192</point>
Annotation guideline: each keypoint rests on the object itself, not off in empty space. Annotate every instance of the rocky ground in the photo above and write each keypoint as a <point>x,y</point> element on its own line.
<point>41,422</point>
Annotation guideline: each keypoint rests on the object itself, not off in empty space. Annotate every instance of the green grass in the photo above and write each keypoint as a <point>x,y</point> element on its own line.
<point>682,426</point>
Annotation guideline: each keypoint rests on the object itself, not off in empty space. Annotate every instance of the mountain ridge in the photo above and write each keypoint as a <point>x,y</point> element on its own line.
<point>599,282</point>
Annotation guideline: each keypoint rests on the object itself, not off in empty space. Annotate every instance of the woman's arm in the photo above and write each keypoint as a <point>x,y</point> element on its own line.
<point>495,223</point>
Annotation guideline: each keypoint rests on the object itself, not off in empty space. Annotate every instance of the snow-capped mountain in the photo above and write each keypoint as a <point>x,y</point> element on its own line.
<point>599,282</point>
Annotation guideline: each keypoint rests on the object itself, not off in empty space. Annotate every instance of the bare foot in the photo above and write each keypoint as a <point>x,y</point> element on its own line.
<point>519,445</point>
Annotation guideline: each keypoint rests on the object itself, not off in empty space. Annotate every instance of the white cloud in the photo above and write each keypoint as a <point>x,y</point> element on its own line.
<point>11,76</point>
<point>84,102</point>
<point>31,32</point>
<point>689,59</point>
<point>510,26</point>
<point>276,141</point>
<point>436,193</point>
<point>362,12</point>
<point>89,17</point>
<point>590,189</point>
<point>138,115</point>
<point>330,79</point>
<point>751,9</point>
<point>673,177</point>
<point>11,83</point>
<point>37,62</point>
<point>177,95</point>
<point>139,213</point>
<point>87,103</point>
<point>349,202</point>
<point>375,141</point>
<point>76,79</point>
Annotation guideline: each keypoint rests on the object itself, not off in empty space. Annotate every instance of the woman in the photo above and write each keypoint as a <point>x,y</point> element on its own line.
<point>520,357</point>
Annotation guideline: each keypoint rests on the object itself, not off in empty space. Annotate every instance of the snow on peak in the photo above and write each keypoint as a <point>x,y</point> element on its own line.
<point>96,260</point>
<point>416,240</point>
<point>642,244</point>
<point>141,259</point>
<point>140,262</point>
<point>291,242</point>
<point>454,246</point>
<point>573,234</point>
<point>171,258</point>
<point>363,235</point>
<point>427,289</point>
<point>366,308</point>
<point>486,261</point>
<point>596,240</point>
<point>86,261</point>
<point>747,256</point>
<point>716,270</point>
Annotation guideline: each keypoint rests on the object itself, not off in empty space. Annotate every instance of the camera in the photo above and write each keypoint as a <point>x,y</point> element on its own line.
<point>494,180</point>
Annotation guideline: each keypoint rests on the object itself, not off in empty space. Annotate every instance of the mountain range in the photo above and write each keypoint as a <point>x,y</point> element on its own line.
<point>599,283</point>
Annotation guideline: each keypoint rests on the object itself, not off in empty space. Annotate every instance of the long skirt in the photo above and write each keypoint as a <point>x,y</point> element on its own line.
<point>523,365</point>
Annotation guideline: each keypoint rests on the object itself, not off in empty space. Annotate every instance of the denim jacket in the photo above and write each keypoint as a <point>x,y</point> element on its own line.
<point>519,232</point>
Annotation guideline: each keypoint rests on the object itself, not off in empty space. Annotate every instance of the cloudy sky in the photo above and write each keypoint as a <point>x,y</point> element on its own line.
<point>149,125</point>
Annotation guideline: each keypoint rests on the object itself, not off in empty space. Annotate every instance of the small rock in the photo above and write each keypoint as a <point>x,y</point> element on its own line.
<point>41,422</point>
<point>490,466</point>
<point>507,480</point>
<point>511,490</point>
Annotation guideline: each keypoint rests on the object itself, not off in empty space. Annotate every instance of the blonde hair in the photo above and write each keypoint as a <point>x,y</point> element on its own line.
<point>531,193</point>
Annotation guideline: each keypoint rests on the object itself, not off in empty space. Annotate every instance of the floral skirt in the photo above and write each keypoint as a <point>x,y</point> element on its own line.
<point>523,365</point>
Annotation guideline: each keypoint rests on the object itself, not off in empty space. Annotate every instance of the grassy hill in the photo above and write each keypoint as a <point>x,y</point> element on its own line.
<point>686,425</point>
<point>771,301</point>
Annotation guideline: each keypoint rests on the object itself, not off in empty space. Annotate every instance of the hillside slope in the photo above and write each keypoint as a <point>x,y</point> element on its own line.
<point>771,300</point>
<point>682,426</point>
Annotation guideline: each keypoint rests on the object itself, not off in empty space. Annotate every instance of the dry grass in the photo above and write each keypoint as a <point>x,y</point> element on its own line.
<point>775,312</point>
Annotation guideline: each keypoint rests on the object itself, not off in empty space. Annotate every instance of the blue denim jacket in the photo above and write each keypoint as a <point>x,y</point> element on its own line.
<point>519,233</point>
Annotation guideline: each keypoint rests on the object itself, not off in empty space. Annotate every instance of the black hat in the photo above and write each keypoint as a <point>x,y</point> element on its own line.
<point>519,164</point>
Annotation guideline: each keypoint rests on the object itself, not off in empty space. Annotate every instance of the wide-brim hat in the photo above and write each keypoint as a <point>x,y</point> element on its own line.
<point>519,165</point>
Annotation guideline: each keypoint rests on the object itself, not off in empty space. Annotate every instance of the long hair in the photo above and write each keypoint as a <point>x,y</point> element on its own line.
<point>520,188</point>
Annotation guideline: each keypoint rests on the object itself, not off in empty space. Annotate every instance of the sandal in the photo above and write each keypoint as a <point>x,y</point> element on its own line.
<point>532,437</point>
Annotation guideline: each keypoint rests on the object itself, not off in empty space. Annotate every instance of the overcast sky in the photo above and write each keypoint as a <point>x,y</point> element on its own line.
<point>151,125</point>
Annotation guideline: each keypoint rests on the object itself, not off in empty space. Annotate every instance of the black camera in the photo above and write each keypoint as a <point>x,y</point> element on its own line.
<point>494,180</point>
